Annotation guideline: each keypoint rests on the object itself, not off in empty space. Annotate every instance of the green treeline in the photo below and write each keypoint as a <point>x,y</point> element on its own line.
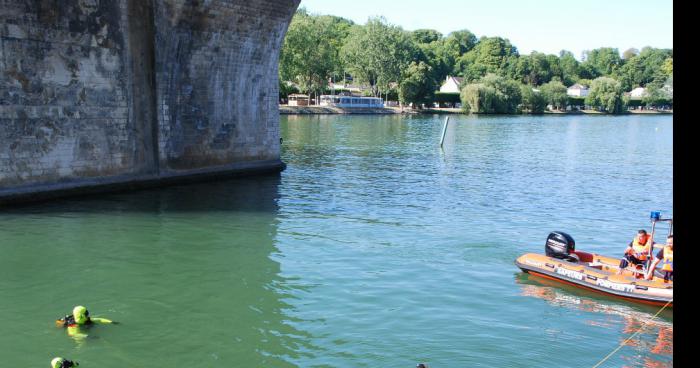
<point>411,65</point>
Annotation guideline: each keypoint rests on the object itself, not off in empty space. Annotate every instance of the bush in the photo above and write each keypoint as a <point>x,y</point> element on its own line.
<point>554,94</point>
<point>447,97</point>
<point>606,93</point>
<point>493,95</point>
<point>576,101</point>
<point>532,101</point>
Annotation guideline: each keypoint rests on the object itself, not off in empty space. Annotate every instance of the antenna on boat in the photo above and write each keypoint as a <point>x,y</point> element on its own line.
<point>654,216</point>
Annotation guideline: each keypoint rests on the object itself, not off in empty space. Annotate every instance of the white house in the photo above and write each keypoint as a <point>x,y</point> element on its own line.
<point>451,84</point>
<point>638,92</point>
<point>577,90</point>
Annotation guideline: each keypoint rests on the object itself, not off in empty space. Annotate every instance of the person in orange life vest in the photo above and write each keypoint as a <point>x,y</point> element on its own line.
<point>665,257</point>
<point>637,251</point>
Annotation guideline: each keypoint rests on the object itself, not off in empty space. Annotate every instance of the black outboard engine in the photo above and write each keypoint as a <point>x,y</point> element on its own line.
<point>560,245</point>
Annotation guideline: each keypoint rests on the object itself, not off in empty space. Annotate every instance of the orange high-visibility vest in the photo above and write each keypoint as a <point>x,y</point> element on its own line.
<point>667,263</point>
<point>640,250</point>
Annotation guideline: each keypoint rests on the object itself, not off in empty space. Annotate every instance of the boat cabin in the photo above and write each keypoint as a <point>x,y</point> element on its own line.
<point>351,101</point>
<point>298,100</point>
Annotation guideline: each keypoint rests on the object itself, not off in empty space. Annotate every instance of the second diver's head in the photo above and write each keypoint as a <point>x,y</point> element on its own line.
<point>81,315</point>
<point>62,363</point>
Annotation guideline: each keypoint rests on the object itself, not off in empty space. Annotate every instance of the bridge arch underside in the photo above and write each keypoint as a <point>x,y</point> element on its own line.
<point>103,94</point>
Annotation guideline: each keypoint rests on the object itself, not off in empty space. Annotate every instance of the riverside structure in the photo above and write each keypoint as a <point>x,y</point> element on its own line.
<point>104,94</point>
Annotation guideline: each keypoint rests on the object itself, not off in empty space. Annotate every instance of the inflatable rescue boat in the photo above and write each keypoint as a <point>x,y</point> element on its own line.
<point>563,263</point>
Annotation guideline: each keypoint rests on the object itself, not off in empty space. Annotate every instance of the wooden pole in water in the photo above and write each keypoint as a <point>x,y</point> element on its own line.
<point>444,130</point>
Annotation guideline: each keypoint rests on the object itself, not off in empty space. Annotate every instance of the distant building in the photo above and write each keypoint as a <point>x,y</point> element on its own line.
<point>351,101</point>
<point>451,84</point>
<point>577,90</point>
<point>638,92</point>
<point>298,100</point>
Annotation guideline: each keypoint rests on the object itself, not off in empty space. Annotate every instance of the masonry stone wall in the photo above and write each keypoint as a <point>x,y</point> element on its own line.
<point>217,80</point>
<point>134,89</point>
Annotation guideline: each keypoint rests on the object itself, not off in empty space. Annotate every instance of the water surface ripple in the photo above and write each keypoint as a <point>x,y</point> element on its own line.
<point>374,248</point>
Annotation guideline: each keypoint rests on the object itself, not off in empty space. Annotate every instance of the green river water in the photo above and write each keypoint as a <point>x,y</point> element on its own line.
<point>374,248</point>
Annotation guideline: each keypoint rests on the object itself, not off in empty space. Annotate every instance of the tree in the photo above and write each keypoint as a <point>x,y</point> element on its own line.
<point>286,89</point>
<point>606,93</point>
<point>508,93</point>
<point>555,69</point>
<point>630,53</point>
<point>452,47</point>
<point>418,85</point>
<point>340,30</point>
<point>532,101</point>
<point>653,61</point>
<point>492,94</point>
<point>570,68</point>
<point>655,96</point>
<point>668,66</point>
<point>668,87</point>
<point>490,55</point>
<point>554,94</point>
<point>430,47</point>
<point>310,53</point>
<point>478,99</point>
<point>462,40</point>
<point>644,68</point>
<point>604,60</point>
<point>533,69</point>
<point>377,53</point>
<point>588,71</point>
<point>585,82</point>
<point>425,36</point>
<point>631,74</point>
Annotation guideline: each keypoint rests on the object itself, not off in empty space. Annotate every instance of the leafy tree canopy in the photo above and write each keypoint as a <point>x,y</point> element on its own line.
<point>377,53</point>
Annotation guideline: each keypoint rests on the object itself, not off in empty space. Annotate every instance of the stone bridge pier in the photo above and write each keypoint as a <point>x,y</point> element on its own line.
<point>101,95</point>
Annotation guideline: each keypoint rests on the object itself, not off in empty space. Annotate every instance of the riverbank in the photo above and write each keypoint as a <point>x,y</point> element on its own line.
<point>312,110</point>
<point>596,112</point>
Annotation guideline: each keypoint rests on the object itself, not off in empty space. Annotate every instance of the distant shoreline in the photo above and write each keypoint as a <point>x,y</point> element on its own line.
<point>327,110</point>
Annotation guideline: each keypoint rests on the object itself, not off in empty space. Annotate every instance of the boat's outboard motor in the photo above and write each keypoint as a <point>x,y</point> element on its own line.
<point>560,245</point>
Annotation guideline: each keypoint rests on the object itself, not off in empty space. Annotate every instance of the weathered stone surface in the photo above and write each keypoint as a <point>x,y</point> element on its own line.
<point>99,89</point>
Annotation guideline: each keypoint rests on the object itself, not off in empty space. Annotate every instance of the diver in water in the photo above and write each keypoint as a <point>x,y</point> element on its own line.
<point>81,317</point>
<point>63,363</point>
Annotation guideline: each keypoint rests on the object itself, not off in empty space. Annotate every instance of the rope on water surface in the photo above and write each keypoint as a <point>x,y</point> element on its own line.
<point>633,335</point>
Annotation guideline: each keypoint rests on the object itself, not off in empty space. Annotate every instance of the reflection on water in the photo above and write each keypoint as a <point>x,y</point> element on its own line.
<point>78,334</point>
<point>254,194</point>
<point>655,335</point>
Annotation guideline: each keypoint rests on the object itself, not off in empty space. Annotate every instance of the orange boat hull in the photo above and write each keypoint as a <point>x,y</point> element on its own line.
<point>599,274</point>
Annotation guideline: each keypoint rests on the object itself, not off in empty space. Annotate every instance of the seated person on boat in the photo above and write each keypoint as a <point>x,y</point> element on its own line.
<point>637,251</point>
<point>665,257</point>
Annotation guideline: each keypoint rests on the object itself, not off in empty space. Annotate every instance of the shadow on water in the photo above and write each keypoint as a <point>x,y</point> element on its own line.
<point>247,194</point>
<point>192,272</point>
